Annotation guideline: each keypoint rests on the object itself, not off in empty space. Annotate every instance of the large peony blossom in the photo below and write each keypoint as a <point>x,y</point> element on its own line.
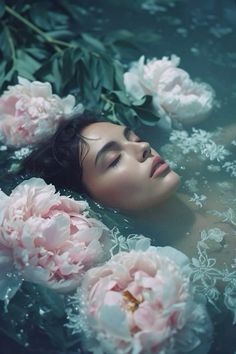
<point>30,112</point>
<point>175,95</point>
<point>142,302</point>
<point>45,238</point>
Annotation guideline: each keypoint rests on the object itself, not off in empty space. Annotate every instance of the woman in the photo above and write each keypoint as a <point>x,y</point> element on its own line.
<point>112,165</point>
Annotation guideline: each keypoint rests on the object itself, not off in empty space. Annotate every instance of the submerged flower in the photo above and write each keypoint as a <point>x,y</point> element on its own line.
<point>175,95</point>
<point>141,302</point>
<point>30,112</point>
<point>47,237</point>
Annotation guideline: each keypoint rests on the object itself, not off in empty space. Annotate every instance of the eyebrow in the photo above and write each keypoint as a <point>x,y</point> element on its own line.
<point>111,145</point>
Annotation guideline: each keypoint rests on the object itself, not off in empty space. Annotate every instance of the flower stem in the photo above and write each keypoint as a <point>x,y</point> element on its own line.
<point>45,36</point>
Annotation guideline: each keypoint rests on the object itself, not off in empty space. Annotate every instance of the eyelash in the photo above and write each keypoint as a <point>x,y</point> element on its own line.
<point>115,162</point>
<point>117,159</point>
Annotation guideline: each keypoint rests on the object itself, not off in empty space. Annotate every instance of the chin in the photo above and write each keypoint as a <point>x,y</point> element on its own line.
<point>176,180</point>
<point>172,184</point>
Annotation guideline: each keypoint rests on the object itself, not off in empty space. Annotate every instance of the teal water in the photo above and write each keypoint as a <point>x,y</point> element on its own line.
<point>202,34</point>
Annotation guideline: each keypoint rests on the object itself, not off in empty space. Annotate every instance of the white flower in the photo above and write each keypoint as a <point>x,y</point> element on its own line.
<point>30,112</point>
<point>141,302</point>
<point>175,96</point>
<point>46,238</point>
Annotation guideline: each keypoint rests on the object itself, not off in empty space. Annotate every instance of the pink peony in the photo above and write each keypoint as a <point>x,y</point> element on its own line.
<point>30,112</point>
<point>175,95</point>
<point>46,238</point>
<point>142,302</point>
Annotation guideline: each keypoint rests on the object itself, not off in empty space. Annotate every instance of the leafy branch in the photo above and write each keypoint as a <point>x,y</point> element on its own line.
<point>45,36</point>
<point>83,65</point>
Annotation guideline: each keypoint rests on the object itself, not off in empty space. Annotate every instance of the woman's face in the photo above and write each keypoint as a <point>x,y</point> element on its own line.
<point>122,171</point>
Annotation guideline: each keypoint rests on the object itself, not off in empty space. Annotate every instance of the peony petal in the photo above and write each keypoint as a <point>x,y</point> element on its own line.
<point>69,204</point>
<point>145,317</point>
<point>38,275</point>
<point>78,109</point>
<point>47,242</point>
<point>133,86</point>
<point>55,231</point>
<point>172,253</point>
<point>24,82</point>
<point>30,112</point>
<point>3,203</point>
<point>112,318</point>
<point>112,298</point>
<point>40,89</point>
<point>69,103</point>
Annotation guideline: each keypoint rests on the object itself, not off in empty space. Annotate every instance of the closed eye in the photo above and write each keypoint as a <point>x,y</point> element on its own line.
<point>115,162</point>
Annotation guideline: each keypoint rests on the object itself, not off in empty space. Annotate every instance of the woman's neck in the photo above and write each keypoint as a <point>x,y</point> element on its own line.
<point>172,215</point>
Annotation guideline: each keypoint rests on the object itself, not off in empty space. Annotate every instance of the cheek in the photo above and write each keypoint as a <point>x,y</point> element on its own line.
<point>115,188</point>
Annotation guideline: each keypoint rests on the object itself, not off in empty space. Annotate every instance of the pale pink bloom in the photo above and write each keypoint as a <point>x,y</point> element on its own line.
<point>48,238</point>
<point>175,95</point>
<point>30,112</point>
<point>142,302</point>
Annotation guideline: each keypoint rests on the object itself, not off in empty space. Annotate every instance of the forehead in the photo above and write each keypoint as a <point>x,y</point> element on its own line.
<point>101,131</point>
<point>96,135</point>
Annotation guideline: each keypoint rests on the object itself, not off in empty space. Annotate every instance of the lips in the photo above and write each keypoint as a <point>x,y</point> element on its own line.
<point>158,166</point>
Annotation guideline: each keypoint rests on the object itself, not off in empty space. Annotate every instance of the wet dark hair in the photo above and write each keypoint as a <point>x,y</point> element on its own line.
<point>58,160</point>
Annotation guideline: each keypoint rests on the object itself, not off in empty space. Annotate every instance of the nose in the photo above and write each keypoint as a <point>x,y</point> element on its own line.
<point>140,149</point>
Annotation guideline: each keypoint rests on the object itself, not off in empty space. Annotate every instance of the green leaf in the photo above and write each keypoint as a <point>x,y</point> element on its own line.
<point>146,116</point>
<point>56,71</point>
<point>47,18</point>
<point>76,54</point>
<point>83,81</point>
<point>94,71</point>
<point>118,76</point>
<point>93,42</point>
<point>68,67</point>
<point>140,101</point>
<point>44,70</point>
<point>61,34</point>
<point>5,47</point>
<point>105,70</point>
<point>125,115</point>
<point>10,76</point>
<point>26,65</point>
<point>37,53</point>
<point>118,35</point>
<point>121,96</point>
<point>3,65</point>
<point>78,13</point>
<point>2,8</point>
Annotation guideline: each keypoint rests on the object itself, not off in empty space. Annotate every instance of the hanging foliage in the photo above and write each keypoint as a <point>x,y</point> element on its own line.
<point>50,41</point>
